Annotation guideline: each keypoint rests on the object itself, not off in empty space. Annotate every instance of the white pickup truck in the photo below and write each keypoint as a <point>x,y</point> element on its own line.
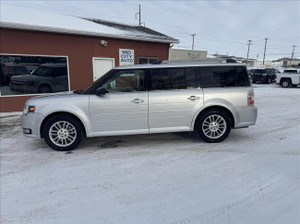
<point>289,78</point>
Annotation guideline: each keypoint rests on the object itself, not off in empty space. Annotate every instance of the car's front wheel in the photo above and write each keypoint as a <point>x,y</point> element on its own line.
<point>62,133</point>
<point>213,125</point>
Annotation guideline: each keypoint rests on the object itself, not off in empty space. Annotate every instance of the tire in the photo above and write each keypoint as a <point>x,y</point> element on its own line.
<point>44,89</point>
<point>285,83</point>
<point>62,133</point>
<point>213,125</point>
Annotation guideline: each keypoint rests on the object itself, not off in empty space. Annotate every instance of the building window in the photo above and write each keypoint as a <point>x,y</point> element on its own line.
<point>147,60</point>
<point>32,74</point>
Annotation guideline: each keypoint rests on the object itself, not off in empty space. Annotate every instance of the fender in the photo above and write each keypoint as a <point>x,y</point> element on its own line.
<point>216,102</point>
<point>80,110</point>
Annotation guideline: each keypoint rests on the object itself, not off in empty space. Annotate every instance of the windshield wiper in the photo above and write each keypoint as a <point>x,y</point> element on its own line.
<point>78,91</point>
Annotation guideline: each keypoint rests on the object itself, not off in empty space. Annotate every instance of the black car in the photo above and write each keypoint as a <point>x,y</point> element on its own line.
<point>265,75</point>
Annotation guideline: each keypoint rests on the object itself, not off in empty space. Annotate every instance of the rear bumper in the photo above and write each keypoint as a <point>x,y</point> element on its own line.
<point>246,116</point>
<point>259,78</point>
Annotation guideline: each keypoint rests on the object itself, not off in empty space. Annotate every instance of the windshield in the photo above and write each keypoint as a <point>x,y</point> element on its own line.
<point>290,71</point>
<point>43,71</point>
<point>97,83</point>
<point>260,71</point>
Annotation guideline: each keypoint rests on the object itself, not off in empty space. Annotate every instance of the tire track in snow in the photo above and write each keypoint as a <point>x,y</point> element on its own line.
<point>262,197</point>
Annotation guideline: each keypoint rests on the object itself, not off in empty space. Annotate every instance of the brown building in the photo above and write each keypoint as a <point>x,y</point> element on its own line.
<point>86,50</point>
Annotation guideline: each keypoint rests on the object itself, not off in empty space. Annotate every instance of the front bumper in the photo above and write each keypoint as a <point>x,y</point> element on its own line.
<point>22,89</point>
<point>32,121</point>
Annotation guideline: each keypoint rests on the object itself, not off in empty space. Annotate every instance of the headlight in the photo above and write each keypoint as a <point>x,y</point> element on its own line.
<point>29,109</point>
<point>25,110</point>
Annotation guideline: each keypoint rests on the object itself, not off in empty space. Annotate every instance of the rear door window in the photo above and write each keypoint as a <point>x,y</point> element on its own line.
<point>172,78</point>
<point>224,76</point>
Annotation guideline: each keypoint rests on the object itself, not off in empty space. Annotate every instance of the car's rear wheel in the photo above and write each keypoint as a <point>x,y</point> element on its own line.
<point>286,83</point>
<point>62,133</point>
<point>213,125</point>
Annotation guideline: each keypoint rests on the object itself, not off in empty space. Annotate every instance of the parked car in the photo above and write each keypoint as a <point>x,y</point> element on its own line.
<point>288,78</point>
<point>9,71</point>
<point>209,99</point>
<point>265,75</point>
<point>47,78</point>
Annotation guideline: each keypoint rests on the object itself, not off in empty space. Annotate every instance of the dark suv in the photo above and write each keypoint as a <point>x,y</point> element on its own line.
<point>46,78</point>
<point>265,75</point>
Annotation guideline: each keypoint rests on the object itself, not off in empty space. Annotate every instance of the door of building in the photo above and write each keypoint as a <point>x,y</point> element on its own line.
<point>101,66</point>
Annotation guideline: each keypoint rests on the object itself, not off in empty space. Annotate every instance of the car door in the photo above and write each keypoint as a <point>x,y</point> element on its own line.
<point>174,99</point>
<point>124,108</point>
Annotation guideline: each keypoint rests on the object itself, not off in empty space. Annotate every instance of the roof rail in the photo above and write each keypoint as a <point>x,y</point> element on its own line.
<point>201,61</point>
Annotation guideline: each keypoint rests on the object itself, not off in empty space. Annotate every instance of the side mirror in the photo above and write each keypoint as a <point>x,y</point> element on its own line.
<point>100,91</point>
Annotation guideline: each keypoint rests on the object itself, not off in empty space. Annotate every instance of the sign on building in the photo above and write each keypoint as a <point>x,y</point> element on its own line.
<point>126,57</point>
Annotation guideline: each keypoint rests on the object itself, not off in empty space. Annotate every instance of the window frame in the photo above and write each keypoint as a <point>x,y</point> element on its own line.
<point>66,57</point>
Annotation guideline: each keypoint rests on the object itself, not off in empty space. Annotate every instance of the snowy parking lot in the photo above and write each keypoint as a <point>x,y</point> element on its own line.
<point>251,177</point>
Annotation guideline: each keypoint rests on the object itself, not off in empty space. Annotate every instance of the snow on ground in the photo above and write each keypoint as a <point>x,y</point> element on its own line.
<point>252,177</point>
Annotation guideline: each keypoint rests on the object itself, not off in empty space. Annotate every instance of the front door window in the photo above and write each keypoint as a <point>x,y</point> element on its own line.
<point>126,81</point>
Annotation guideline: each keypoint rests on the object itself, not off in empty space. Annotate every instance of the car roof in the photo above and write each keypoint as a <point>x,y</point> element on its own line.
<point>178,65</point>
<point>54,65</point>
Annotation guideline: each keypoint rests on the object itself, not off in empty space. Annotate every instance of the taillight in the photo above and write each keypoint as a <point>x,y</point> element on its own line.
<point>275,77</point>
<point>251,98</point>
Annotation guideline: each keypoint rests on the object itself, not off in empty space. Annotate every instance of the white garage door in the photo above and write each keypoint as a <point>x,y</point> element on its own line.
<point>101,66</point>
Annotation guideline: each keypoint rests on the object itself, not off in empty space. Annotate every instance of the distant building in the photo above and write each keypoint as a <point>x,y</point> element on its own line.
<point>184,54</point>
<point>286,62</point>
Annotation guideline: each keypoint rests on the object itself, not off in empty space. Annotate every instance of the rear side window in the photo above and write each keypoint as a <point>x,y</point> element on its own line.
<point>224,76</point>
<point>60,71</point>
<point>172,78</point>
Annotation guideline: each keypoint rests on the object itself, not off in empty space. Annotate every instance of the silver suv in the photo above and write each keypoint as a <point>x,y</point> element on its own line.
<point>209,99</point>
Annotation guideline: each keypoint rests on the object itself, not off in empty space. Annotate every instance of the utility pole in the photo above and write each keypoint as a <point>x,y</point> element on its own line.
<point>249,43</point>
<point>266,40</point>
<point>294,46</point>
<point>193,35</point>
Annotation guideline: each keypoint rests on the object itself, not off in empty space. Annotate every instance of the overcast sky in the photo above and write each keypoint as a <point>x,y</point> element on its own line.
<point>220,26</point>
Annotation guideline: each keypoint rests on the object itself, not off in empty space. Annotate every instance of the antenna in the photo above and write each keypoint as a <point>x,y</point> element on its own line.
<point>140,16</point>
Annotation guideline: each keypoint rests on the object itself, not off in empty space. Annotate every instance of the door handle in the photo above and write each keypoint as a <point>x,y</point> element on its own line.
<point>193,98</point>
<point>137,101</point>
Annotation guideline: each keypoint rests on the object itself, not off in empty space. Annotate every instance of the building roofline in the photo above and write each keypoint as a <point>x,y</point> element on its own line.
<point>20,26</point>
